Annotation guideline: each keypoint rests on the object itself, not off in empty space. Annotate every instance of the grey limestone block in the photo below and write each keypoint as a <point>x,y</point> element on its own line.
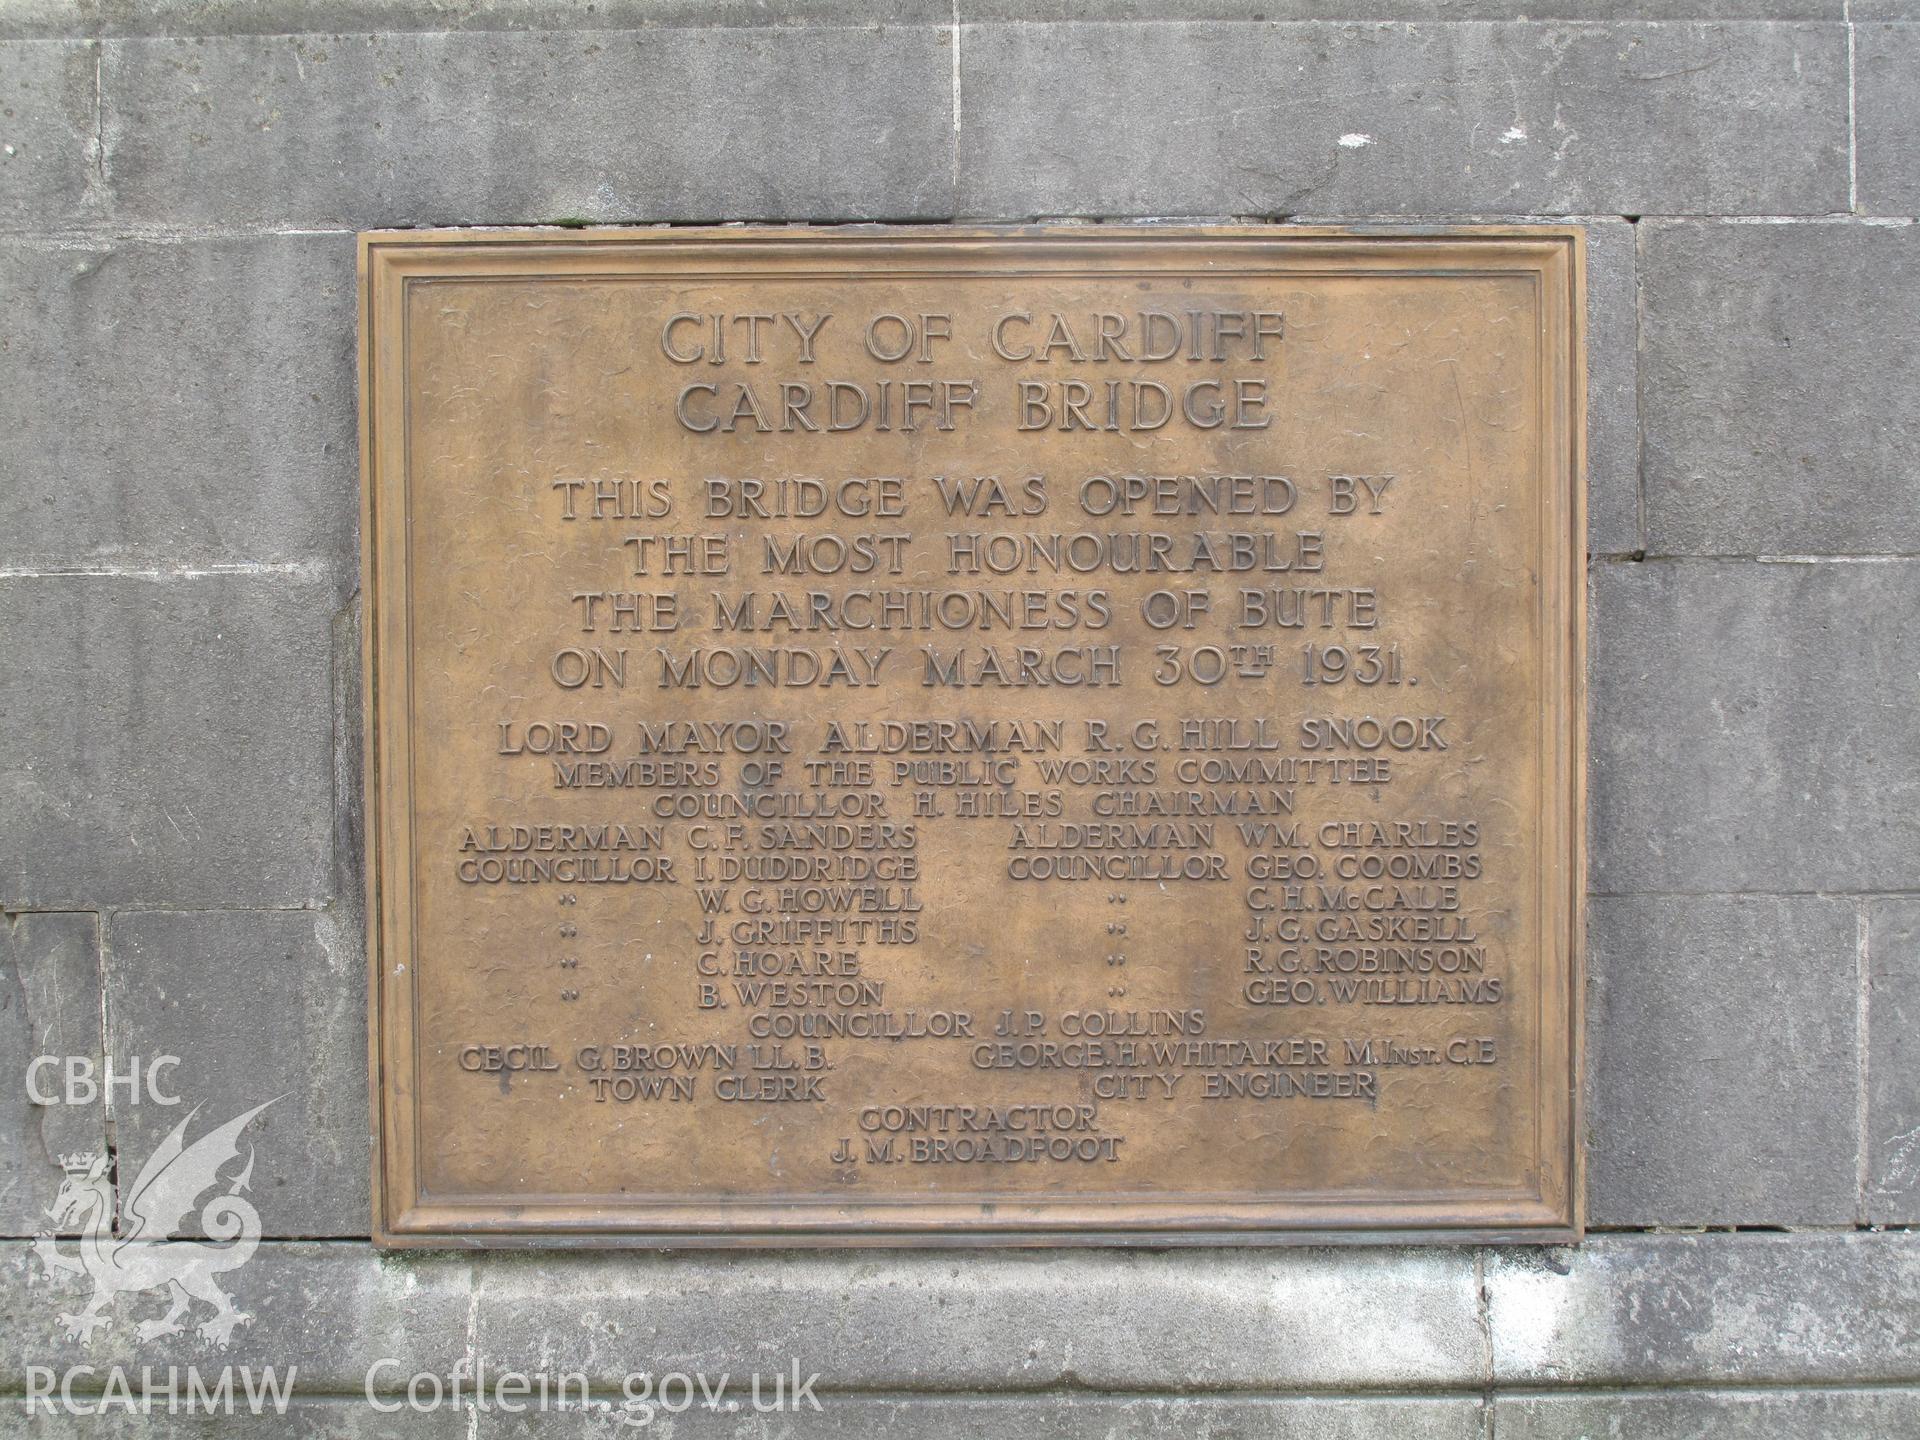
<point>1023,1417</point>
<point>1779,410</point>
<point>1379,1319</point>
<point>1834,1307</point>
<point>1893,1063</point>
<point>1722,1083</point>
<point>259,1007</point>
<point>301,1418</point>
<point>166,739</point>
<point>361,131</point>
<point>1886,77</point>
<point>184,403</point>
<point>339,1313</point>
<point>48,174</point>
<point>1588,11</point>
<point>50,1060</point>
<point>1751,727</point>
<point>61,18</point>
<point>1709,1415</point>
<point>1402,119</point>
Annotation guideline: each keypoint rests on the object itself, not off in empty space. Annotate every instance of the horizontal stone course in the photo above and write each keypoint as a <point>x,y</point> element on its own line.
<point>334,1310</point>
<point>1619,1310</point>
<point>1042,1417</point>
<point>1710,1415</point>
<point>166,739</point>
<point>1750,727</point>
<point>1205,1321</point>
<point>240,17</point>
<point>301,1419</point>
<point>361,131</point>
<point>1722,1060</point>
<point>1779,418</point>
<point>1377,1319</point>
<point>1402,119</point>
<point>1803,1308</point>
<point>183,403</point>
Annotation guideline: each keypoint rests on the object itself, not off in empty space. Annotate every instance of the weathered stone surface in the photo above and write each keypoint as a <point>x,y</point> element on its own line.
<point>1402,119</point>
<point>1035,1417</point>
<point>291,17</point>
<point>259,1005</point>
<point>116,460</point>
<point>1103,1321</point>
<point>164,739</point>
<point>467,129</point>
<point>1378,1320</point>
<point>1893,1063</point>
<point>1750,726</point>
<point>839,1417</point>
<point>1708,1309</point>
<point>46,133</point>
<point>1721,1064</point>
<point>1779,417</point>
<point>1613,389</point>
<point>1589,11</point>
<point>301,1419</point>
<point>49,1005</point>
<point>1709,1415</point>
<point>1886,76</point>
<point>335,1311</point>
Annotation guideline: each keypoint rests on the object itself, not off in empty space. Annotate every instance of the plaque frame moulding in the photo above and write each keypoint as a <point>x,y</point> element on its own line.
<point>408,1214</point>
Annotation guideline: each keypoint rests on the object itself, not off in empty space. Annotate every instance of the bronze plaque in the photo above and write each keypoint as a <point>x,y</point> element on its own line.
<point>1042,736</point>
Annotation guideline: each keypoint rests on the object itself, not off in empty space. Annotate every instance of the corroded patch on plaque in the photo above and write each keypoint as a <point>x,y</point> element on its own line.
<point>1037,736</point>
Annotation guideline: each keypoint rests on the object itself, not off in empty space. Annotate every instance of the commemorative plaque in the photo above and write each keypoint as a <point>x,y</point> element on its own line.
<point>1042,736</point>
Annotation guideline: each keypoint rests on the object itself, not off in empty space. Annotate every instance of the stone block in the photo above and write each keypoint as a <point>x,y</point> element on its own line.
<point>1832,1307</point>
<point>1709,1415</point>
<point>1779,417</point>
<point>1613,389</point>
<point>1722,1084</point>
<point>991,1321</point>
<point>1390,119</point>
<point>337,1312</point>
<point>165,740</point>
<point>366,130</point>
<point>46,133</point>
<point>1751,727</point>
<point>1886,75</point>
<point>1585,11</point>
<point>334,17</point>
<point>49,1006</point>
<point>1031,1417</point>
<point>1893,1063</point>
<point>259,1006</point>
<point>300,1419</point>
<point>180,403</point>
<point>60,18</point>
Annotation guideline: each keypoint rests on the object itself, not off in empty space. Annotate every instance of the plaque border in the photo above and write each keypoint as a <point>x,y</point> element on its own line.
<point>403,1217</point>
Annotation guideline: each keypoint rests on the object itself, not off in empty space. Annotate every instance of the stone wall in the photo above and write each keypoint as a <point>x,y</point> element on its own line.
<point>179,727</point>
